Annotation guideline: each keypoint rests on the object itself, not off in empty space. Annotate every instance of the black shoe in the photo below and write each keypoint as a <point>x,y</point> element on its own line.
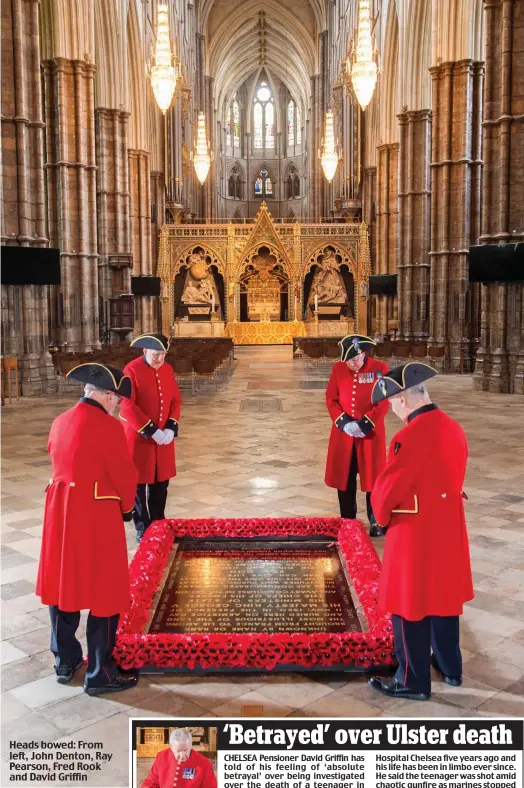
<point>393,689</point>
<point>376,530</point>
<point>139,534</point>
<point>119,684</point>
<point>128,671</point>
<point>65,673</point>
<point>453,682</point>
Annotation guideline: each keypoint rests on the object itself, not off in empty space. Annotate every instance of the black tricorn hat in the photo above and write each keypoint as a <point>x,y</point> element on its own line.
<point>151,342</point>
<point>354,344</point>
<point>399,379</point>
<point>103,376</point>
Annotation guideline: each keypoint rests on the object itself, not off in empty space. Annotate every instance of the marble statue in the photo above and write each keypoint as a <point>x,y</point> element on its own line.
<point>328,284</point>
<point>198,292</point>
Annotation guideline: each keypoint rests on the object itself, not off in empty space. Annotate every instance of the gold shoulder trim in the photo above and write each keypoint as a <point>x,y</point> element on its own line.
<point>407,511</point>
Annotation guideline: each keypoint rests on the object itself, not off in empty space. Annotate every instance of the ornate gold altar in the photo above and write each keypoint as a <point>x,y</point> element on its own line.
<point>237,252</point>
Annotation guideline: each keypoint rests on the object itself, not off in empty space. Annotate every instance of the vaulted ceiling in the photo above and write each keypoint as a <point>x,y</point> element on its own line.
<point>280,35</point>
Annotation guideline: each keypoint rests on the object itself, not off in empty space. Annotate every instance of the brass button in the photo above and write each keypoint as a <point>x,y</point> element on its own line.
<point>71,484</point>
<point>443,495</point>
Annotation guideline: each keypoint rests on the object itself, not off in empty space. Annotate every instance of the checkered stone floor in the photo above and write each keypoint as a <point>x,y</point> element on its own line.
<point>264,460</point>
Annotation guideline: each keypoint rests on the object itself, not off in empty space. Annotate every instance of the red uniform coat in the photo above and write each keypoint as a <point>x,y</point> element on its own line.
<point>350,393</point>
<point>426,568</point>
<point>166,772</point>
<point>83,558</point>
<point>155,402</point>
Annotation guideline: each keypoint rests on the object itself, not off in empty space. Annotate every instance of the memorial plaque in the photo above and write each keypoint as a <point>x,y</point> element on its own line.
<point>249,587</point>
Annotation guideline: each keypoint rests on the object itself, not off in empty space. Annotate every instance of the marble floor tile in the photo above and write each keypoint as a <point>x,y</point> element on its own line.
<point>257,448</point>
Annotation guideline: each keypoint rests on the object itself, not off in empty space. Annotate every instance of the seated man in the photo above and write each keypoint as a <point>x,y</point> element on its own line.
<point>180,766</point>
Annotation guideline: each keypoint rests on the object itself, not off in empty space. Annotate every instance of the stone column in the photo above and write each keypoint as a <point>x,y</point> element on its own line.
<point>158,209</point>
<point>414,223</point>
<point>71,184</point>
<point>25,309</point>
<point>387,224</point>
<point>113,220</point>
<point>455,206</point>
<point>140,224</point>
<point>500,359</point>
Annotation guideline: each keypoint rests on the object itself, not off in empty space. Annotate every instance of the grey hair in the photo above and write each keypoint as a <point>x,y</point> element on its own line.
<point>90,389</point>
<point>181,736</point>
<point>415,392</point>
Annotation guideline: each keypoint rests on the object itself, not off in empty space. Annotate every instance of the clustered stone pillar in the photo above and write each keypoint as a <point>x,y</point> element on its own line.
<point>414,222</point>
<point>387,225</point>
<point>140,221</point>
<point>113,219</point>
<point>500,359</point>
<point>25,311</point>
<point>455,207</point>
<point>71,183</point>
<point>158,210</point>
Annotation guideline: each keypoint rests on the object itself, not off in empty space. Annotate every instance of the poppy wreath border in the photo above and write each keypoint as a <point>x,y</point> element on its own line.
<point>212,651</point>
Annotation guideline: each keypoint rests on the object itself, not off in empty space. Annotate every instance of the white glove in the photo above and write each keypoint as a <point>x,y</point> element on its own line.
<point>158,437</point>
<point>169,436</point>
<point>353,430</point>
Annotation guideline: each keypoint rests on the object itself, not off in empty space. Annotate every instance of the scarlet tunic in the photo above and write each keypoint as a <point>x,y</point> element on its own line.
<point>166,772</point>
<point>83,558</point>
<point>349,395</point>
<point>155,404</point>
<point>426,568</point>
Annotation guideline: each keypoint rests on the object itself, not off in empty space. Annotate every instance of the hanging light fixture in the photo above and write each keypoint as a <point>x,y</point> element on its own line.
<point>328,154</point>
<point>163,73</point>
<point>363,70</point>
<point>201,156</point>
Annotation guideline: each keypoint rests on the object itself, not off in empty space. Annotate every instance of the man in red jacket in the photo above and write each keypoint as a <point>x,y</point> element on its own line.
<point>83,559</point>
<point>151,419</point>
<point>426,571</point>
<point>357,443</point>
<point>180,766</point>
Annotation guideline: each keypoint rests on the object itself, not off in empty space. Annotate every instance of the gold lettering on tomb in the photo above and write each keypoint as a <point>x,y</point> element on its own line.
<point>255,587</point>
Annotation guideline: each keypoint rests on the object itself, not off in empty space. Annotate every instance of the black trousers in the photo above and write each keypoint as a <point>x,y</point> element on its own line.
<point>150,504</point>
<point>347,498</point>
<point>414,641</point>
<point>101,635</point>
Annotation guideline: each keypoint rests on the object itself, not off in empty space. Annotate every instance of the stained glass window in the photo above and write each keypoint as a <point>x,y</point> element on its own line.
<point>228,127</point>
<point>263,184</point>
<point>298,126</point>
<point>263,118</point>
<point>291,124</point>
<point>236,124</point>
<point>270,125</point>
<point>257,125</point>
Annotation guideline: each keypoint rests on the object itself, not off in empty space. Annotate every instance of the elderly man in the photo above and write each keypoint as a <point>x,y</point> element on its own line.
<point>83,559</point>
<point>426,572</point>
<point>150,419</point>
<point>357,443</point>
<point>180,766</point>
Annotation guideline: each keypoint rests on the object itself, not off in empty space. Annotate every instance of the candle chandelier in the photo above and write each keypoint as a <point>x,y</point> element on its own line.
<point>328,154</point>
<point>201,156</point>
<point>363,70</point>
<point>163,70</point>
